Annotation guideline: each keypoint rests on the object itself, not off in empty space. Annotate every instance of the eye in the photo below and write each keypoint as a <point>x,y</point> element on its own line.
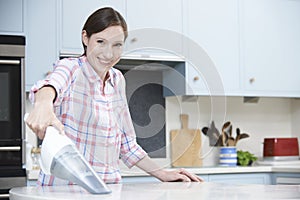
<point>100,41</point>
<point>119,44</point>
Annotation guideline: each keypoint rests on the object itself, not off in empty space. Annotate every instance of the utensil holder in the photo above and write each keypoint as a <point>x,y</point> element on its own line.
<point>228,156</point>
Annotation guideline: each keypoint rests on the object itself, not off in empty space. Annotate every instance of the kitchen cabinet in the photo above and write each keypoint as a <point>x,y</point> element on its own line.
<point>72,16</point>
<point>155,28</point>
<point>213,29</point>
<point>40,31</point>
<point>286,179</point>
<point>245,178</point>
<point>253,46</point>
<point>233,178</point>
<point>270,46</point>
<point>11,17</point>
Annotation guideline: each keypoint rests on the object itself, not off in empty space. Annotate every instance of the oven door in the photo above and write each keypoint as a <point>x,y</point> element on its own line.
<point>10,99</point>
<point>10,112</point>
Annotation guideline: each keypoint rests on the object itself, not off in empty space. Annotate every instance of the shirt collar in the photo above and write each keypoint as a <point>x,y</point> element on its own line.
<point>92,76</point>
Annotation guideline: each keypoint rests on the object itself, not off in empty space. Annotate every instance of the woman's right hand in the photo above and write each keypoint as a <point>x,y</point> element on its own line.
<point>42,114</point>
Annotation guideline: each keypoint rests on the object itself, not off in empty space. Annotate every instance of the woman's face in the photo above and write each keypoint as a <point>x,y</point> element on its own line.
<point>104,49</point>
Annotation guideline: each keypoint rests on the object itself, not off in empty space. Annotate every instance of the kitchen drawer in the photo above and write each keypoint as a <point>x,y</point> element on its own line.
<point>250,178</point>
<point>286,179</point>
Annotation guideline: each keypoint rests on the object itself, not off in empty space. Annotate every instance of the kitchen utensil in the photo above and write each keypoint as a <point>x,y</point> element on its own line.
<point>60,157</point>
<point>225,134</point>
<point>229,131</point>
<point>185,145</point>
<point>239,136</point>
<point>230,142</point>
<point>213,134</point>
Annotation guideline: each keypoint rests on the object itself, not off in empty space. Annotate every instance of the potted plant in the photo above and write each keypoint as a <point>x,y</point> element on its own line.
<point>245,158</point>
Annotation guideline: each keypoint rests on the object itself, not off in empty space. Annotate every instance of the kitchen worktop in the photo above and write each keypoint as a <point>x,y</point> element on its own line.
<point>161,191</point>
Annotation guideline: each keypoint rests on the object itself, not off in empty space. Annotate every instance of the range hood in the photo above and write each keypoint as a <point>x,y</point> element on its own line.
<point>147,64</point>
<point>141,62</point>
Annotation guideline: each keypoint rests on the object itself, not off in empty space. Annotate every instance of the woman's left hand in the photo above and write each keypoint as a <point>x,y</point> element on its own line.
<point>180,175</point>
<point>165,175</point>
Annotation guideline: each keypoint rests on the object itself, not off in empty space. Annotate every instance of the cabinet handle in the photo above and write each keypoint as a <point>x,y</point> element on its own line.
<point>47,73</point>
<point>4,196</point>
<point>9,62</point>
<point>251,80</point>
<point>133,40</point>
<point>15,148</point>
<point>196,78</point>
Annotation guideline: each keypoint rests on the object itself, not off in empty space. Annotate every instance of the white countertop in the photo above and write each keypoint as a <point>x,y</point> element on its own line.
<point>162,191</point>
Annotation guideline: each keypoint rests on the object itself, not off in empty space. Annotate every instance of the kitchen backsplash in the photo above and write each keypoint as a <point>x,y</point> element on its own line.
<point>295,112</point>
<point>269,117</point>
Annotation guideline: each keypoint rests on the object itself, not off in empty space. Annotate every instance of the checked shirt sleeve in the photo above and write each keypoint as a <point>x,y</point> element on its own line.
<point>130,152</point>
<point>59,79</point>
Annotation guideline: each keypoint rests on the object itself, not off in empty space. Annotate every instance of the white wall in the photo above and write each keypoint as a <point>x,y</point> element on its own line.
<point>295,112</point>
<point>269,117</point>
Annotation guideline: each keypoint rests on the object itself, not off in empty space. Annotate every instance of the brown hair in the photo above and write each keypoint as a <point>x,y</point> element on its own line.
<point>102,19</point>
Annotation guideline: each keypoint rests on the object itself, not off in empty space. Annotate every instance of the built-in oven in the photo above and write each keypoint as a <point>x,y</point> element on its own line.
<point>12,136</point>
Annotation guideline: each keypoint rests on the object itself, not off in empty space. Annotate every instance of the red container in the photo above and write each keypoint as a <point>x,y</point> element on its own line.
<point>277,147</point>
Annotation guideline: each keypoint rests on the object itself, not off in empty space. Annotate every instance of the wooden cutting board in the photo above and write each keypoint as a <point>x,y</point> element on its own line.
<point>185,145</point>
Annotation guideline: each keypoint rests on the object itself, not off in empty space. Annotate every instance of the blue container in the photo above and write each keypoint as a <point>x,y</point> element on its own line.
<point>228,156</point>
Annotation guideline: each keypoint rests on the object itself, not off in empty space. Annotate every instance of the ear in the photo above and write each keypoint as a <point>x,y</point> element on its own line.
<point>85,38</point>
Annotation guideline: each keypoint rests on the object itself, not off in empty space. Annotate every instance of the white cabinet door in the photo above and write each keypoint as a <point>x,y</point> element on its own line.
<point>165,14</point>
<point>73,14</point>
<point>270,39</point>
<point>155,28</point>
<point>11,16</point>
<point>286,178</point>
<point>245,178</point>
<point>213,27</point>
<point>40,31</point>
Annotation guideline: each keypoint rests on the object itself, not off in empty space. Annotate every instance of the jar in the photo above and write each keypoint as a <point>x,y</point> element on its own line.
<point>35,155</point>
<point>228,156</point>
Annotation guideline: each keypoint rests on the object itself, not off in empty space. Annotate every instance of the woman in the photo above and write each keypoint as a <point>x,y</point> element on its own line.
<point>84,98</point>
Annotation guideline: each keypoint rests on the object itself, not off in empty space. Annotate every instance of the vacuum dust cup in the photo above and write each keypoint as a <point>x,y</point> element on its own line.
<point>59,157</point>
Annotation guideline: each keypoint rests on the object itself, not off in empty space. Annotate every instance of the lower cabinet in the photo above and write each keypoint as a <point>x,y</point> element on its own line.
<point>249,178</point>
<point>286,178</point>
<point>245,178</point>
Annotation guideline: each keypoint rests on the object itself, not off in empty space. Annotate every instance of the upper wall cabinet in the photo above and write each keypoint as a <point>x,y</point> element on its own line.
<point>213,36</point>
<point>11,17</point>
<point>73,14</point>
<point>270,41</point>
<point>155,28</point>
<point>40,31</point>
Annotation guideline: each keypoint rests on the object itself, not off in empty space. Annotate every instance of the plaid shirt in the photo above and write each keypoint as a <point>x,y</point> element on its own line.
<point>95,116</point>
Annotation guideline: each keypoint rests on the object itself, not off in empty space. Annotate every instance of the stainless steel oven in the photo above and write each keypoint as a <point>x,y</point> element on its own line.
<point>12,151</point>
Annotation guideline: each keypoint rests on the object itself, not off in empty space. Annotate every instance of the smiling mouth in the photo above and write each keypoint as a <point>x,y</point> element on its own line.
<point>104,62</point>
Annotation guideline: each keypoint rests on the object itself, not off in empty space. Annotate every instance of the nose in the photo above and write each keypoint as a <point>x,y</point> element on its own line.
<point>108,53</point>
